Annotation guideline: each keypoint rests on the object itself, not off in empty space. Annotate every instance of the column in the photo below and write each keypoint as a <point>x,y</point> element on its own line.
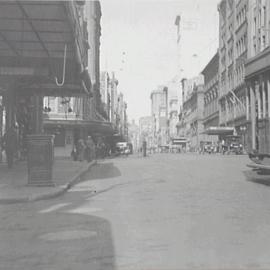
<point>247,104</point>
<point>258,97</point>
<point>253,118</point>
<point>226,111</point>
<point>263,100</point>
<point>37,114</point>
<point>268,94</point>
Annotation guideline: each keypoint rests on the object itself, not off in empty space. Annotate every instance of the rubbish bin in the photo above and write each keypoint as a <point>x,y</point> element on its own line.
<point>40,160</point>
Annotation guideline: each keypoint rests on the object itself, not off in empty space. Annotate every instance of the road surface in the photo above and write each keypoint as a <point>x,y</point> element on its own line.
<point>166,211</point>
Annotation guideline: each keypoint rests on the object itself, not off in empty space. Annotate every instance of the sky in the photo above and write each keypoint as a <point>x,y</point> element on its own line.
<point>139,43</point>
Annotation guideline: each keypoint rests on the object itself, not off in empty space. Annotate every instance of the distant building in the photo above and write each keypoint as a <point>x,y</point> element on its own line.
<point>147,131</point>
<point>159,111</point>
<point>174,102</point>
<point>211,95</point>
<point>133,135</point>
<point>191,115</point>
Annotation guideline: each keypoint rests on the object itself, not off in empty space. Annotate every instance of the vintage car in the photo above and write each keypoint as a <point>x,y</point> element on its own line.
<point>122,148</point>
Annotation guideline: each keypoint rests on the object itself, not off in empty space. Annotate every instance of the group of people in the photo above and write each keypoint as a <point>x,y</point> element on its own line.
<point>89,150</point>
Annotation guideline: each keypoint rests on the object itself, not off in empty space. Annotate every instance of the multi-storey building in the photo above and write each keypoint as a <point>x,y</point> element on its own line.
<point>191,115</point>
<point>105,94</point>
<point>71,118</point>
<point>258,76</point>
<point>147,131</point>
<point>133,135</point>
<point>233,45</point>
<point>174,101</point>
<point>159,111</point>
<point>211,94</point>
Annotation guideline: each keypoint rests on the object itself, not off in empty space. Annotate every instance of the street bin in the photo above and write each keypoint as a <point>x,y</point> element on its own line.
<point>40,160</point>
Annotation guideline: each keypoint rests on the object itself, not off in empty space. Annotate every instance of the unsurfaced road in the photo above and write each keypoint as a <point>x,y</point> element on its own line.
<point>163,212</point>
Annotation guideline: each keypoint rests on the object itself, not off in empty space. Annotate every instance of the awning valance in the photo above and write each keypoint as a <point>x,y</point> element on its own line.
<point>219,131</point>
<point>95,127</point>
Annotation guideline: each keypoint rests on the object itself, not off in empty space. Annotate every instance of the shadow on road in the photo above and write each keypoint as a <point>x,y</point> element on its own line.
<point>103,171</point>
<point>70,239</point>
<point>260,177</point>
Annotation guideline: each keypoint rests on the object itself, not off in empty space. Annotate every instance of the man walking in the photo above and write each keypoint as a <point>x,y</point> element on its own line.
<point>10,144</point>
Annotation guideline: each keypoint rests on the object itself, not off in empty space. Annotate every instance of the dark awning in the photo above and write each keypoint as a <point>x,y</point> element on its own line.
<point>219,131</point>
<point>97,127</point>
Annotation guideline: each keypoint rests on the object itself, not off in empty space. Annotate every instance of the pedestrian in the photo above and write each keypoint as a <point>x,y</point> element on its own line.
<point>10,145</point>
<point>89,149</point>
<point>81,149</point>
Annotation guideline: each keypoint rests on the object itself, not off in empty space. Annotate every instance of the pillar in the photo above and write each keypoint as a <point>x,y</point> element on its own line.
<point>253,118</point>
<point>247,104</point>
<point>226,111</point>
<point>263,100</point>
<point>268,95</point>
<point>38,114</point>
<point>258,98</point>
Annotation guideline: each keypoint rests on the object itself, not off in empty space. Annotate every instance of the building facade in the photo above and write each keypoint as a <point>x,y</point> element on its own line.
<point>159,111</point>
<point>147,131</point>
<point>191,118</point>
<point>211,96</point>
<point>258,77</point>
<point>71,118</point>
<point>133,135</point>
<point>174,101</point>
<point>233,47</point>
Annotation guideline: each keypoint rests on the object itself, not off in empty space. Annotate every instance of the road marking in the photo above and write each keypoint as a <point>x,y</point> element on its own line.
<point>84,210</point>
<point>68,235</point>
<point>54,208</point>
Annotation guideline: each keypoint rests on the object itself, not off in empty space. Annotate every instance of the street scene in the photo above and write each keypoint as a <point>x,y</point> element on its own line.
<point>134,134</point>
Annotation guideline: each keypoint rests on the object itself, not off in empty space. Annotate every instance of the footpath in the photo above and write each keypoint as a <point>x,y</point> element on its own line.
<point>13,182</point>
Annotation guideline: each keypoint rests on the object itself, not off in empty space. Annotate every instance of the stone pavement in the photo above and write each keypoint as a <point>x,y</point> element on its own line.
<point>13,182</point>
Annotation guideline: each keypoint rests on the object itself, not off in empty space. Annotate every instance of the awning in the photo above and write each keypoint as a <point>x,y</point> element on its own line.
<point>34,36</point>
<point>219,131</point>
<point>179,141</point>
<point>97,127</point>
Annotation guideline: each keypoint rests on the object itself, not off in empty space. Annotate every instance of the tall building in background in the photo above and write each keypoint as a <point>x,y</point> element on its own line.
<point>147,131</point>
<point>233,47</point>
<point>174,102</point>
<point>159,111</point>
<point>134,135</point>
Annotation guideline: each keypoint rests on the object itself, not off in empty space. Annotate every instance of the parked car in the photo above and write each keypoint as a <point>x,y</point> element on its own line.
<point>234,145</point>
<point>122,148</point>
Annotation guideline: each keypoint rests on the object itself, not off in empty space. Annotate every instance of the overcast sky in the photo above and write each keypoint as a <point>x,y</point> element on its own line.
<point>138,42</point>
